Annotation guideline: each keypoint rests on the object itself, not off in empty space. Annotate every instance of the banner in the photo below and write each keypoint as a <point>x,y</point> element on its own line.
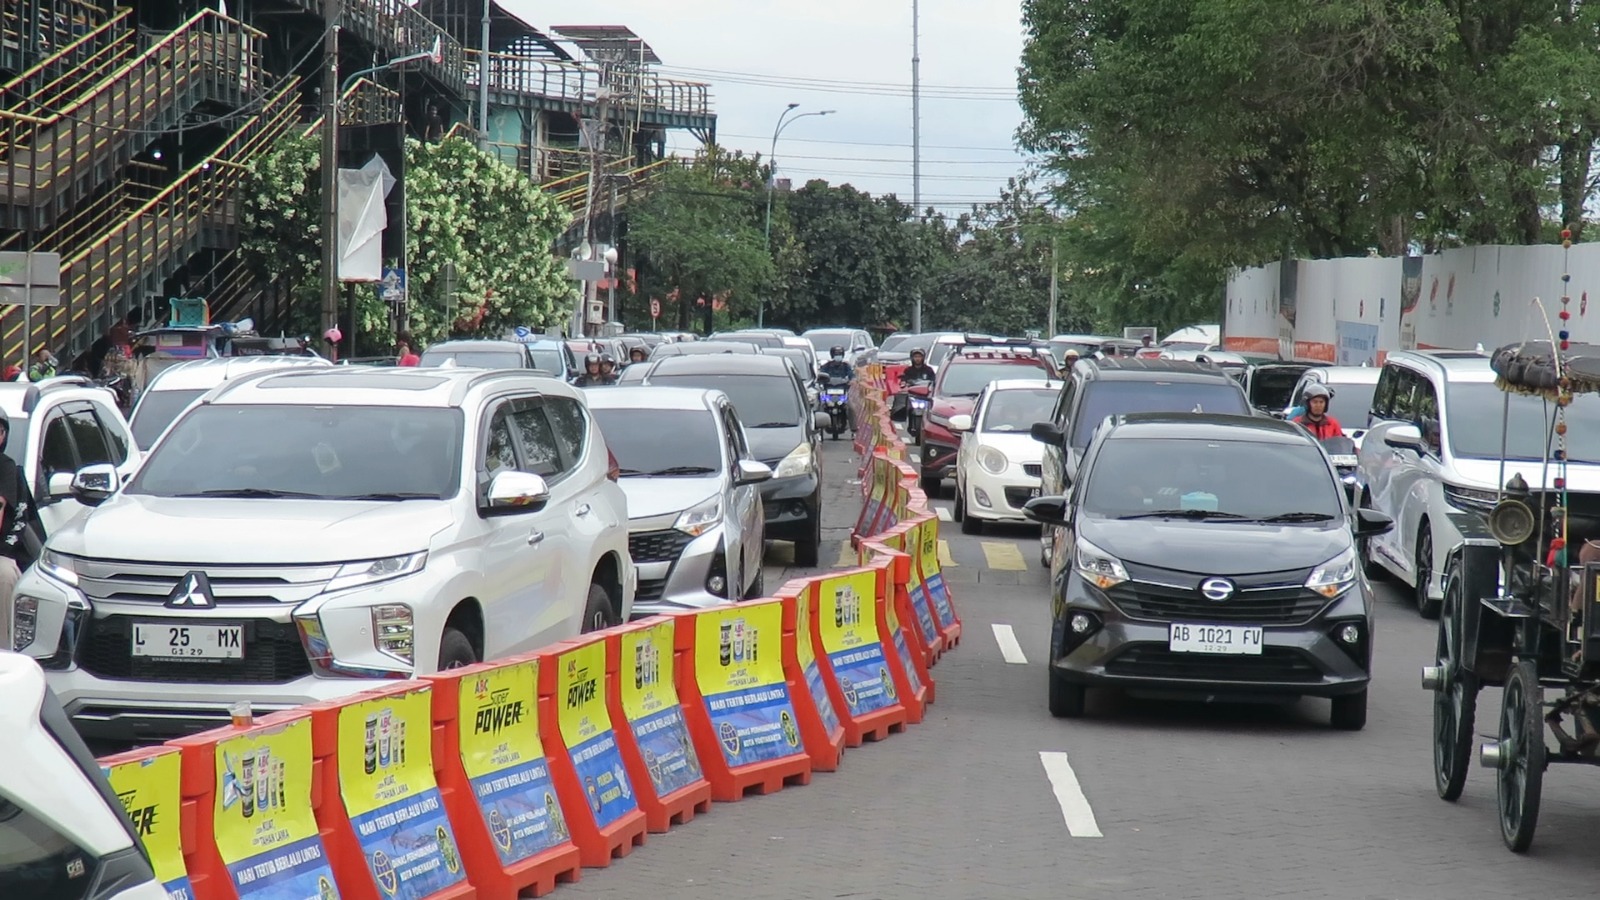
<point>849,627</point>
<point>910,544</point>
<point>650,704</point>
<point>262,821</point>
<point>586,731</point>
<point>739,667</point>
<point>151,795</point>
<point>386,780</point>
<point>807,654</point>
<point>898,635</point>
<point>504,761</point>
<point>932,578</point>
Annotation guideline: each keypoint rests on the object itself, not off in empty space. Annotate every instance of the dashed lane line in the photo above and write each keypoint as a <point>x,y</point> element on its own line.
<point>1009,648</point>
<point>943,512</point>
<point>945,559</point>
<point>1006,556</point>
<point>1075,809</point>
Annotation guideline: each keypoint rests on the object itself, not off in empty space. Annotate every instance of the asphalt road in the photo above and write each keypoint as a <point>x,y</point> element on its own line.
<point>990,797</point>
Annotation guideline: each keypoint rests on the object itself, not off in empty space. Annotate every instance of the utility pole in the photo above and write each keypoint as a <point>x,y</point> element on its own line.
<point>1055,281</point>
<point>483,83</point>
<point>331,12</point>
<point>916,148</point>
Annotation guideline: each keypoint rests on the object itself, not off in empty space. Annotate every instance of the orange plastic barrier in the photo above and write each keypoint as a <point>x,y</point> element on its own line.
<point>737,699</point>
<point>643,697</point>
<point>894,607</point>
<point>149,782</point>
<point>251,794</point>
<point>879,493</point>
<point>496,782</point>
<point>917,613</point>
<point>855,666</point>
<point>383,820</point>
<point>581,744</point>
<point>820,727</point>
<point>930,579</point>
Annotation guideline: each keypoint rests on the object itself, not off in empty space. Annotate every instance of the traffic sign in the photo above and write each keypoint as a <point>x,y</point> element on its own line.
<point>655,308</point>
<point>392,288</point>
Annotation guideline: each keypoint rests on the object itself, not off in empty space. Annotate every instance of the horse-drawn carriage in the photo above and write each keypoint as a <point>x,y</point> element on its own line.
<point>1522,596</point>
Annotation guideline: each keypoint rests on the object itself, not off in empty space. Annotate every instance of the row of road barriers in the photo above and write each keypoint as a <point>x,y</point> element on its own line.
<point>505,779</point>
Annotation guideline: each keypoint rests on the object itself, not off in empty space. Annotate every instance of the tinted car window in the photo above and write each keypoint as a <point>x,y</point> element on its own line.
<point>1017,410</point>
<point>155,412</point>
<point>540,454</point>
<point>763,401</point>
<point>968,379</point>
<point>548,359</point>
<point>1473,415</point>
<point>647,441</point>
<point>478,359</point>
<point>90,438</point>
<point>38,862</point>
<point>1272,388</point>
<point>1131,476</point>
<point>1110,398</point>
<point>56,455</point>
<point>571,428</point>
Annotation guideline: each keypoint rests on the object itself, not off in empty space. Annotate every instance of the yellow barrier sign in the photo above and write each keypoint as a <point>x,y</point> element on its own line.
<point>586,731</point>
<point>150,791</point>
<point>262,821</point>
<point>650,703</point>
<point>849,629</point>
<point>504,761</point>
<point>739,668</point>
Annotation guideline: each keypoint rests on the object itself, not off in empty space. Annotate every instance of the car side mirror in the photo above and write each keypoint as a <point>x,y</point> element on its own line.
<point>961,423</point>
<point>1047,433</point>
<point>1048,510</point>
<point>749,471</point>
<point>1371,523</point>
<point>920,389</point>
<point>90,485</point>
<point>1404,437</point>
<point>59,486</point>
<point>517,492</point>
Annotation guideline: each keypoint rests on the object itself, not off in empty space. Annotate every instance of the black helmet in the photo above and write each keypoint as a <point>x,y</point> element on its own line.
<point>607,359</point>
<point>836,352</point>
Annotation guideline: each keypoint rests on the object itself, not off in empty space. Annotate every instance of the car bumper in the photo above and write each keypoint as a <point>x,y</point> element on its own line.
<point>793,506</point>
<point>938,456</point>
<point>679,583</point>
<point>997,498</point>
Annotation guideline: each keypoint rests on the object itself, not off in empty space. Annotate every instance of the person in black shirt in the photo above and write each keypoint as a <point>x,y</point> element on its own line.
<point>919,370</point>
<point>21,532</point>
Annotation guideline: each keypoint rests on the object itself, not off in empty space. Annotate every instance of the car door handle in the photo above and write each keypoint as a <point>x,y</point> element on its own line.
<point>535,538</point>
<point>583,510</point>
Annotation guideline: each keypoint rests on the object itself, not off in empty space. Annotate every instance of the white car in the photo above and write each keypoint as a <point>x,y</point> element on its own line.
<point>63,833</point>
<point>856,343</point>
<point>59,426</point>
<point>173,390</point>
<point>998,465</point>
<point>299,536</point>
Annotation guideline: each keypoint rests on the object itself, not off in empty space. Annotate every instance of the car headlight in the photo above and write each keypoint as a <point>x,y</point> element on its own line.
<point>1336,575</point>
<point>373,571</point>
<point>24,621</point>
<point>1098,567</point>
<point>798,462</point>
<point>992,459</point>
<point>702,517</point>
<point>392,630</point>
<point>1470,498</point>
<point>935,418</point>
<point>58,566</point>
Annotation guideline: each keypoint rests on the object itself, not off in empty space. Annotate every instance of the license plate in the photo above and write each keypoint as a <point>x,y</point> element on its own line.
<point>188,641</point>
<point>1033,493</point>
<point>1343,460</point>
<point>1240,640</point>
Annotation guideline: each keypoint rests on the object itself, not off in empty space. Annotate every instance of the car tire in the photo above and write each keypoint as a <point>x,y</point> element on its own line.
<point>1349,712</point>
<point>455,649</point>
<point>960,511</point>
<point>931,484</point>
<point>1066,699</point>
<point>757,587</point>
<point>598,612</point>
<point>1428,609</point>
<point>971,524</point>
<point>807,553</point>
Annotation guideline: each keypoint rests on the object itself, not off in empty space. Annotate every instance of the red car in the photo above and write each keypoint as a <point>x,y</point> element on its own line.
<point>961,379</point>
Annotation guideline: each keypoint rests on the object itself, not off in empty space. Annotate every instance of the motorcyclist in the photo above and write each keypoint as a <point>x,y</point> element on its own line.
<point>638,355</point>
<point>1069,360</point>
<point>608,367</point>
<point>836,368</point>
<point>1316,419</point>
<point>919,370</point>
<point>593,373</point>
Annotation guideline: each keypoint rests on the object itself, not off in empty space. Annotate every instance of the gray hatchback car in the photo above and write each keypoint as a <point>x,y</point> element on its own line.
<point>1209,556</point>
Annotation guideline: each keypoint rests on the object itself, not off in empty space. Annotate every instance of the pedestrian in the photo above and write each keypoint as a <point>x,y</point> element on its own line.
<point>21,531</point>
<point>44,365</point>
<point>408,356</point>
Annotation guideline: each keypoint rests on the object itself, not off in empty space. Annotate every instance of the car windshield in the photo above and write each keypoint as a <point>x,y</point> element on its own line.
<point>662,441</point>
<point>1272,389</point>
<point>477,359</point>
<point>762,401</point>
<point>1473,416</point>
<point>1352,402</point>
<point>546,359</point>
<point>155,412</point>
<point>1017,410</point>
<point>968,379</point>
<point>1234,478</point>
<point>823,340</point>
<point>897,343</point>
<point>1110,398</point>
<point>1085,348</point>
<point>315,452</point>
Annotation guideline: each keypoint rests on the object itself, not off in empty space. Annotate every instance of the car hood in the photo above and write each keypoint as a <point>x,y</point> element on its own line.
<point>649,497</point>
<point>771,445</point>
<point>953,406</point>
<point>1019,447</point>
<point>220,532</point>
<point>1485,474</point>
<point>1216,548</point>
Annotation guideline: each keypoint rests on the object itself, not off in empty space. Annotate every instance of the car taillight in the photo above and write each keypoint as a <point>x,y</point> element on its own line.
<point>613,471</point>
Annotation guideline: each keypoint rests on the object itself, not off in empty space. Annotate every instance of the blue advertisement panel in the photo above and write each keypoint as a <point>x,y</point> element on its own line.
<point>848,624</point>
<point>586,730</point>
<point>519,805</point>
<point>739,667</point>
<point>668,754</point>
<point>650,703</point>
<point>296,871</point>
<point>409,846</point>
<point>1357,343</point>
<point>924,610</point>
<point>605,782</point>
<point>941,600</point>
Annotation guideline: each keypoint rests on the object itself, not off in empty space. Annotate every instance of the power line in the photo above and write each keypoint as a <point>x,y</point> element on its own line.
<point>858,88</point>
<point>836,173</point>
<point>934,162</point>
<point>906,146</point>
<point>845,82</point>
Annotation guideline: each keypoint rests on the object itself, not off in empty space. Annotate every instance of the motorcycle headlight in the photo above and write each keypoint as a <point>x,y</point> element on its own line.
<point>992,459</point>
<point>1098,567</point>
<point>1335,576</point>
<point>798,462</point>
<point>373,571</point>
<point>700,518</point>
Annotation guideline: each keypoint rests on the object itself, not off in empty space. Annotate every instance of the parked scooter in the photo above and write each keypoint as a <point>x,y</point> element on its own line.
<point>835,401</point>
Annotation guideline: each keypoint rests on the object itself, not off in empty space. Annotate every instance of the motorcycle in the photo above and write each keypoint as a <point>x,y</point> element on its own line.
<point>1342,453</point>
<point>917,404</point>
<point>834,400</point>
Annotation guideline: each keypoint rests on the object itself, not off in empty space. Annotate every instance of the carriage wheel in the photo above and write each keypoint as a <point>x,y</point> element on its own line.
<point>1455,702</point>
<point>1521,772</point>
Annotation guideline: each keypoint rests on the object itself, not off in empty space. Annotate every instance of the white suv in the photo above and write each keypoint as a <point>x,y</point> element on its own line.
<point>296,535</point>
<point>59,426</point>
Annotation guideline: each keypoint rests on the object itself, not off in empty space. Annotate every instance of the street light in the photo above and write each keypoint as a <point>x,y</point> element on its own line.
<point>772,182</point>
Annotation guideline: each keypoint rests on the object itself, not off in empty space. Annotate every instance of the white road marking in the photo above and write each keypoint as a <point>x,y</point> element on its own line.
<point>943,512</point>
<point>1009,648</point>
<point>1069,794</point>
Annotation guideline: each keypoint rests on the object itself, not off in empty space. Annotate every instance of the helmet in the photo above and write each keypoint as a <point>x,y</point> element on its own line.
<point>836,352</point>
<point>592,359</point>
<point>607,359</point>
<point>1071,353</point>
<point>1317,389</point>
<point>333,335</point>
<point>918,352</point>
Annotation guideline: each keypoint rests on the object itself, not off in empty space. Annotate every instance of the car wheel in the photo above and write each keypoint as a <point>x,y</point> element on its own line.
<point>971,524</point>
<point>960,511</point>
<point>807,553</point>
<point>1066,699</point>
<point>1429,609</point>
<point>1349,712</point>
<point>757,587</point>
<point>455,650</point>
<point>598,613</point>
<point>931,485</point>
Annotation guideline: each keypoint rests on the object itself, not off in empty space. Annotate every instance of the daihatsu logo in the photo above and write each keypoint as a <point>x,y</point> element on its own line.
<point>1217,589</point>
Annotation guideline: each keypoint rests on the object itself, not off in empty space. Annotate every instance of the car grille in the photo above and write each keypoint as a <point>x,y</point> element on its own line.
<point>1275,664</point>
<point>649,590</point>
<point>1033,470</point>
<point>126,581</point>
<point>657,546</point>
<point>1264,598</point>
<point>272,655</point>
<point>1017,496</point>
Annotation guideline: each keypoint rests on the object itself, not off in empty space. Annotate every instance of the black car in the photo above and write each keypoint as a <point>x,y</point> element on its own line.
<point>1209,556</point>
<point>780,427</point>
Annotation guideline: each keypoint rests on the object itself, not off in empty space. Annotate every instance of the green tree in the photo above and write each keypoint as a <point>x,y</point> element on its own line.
<point>864,258</point>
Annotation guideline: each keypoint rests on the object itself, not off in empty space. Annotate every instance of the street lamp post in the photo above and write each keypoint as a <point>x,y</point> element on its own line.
<point>772,182</point>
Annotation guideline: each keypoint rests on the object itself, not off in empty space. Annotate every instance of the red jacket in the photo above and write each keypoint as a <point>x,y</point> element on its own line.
<point>1327,428</point>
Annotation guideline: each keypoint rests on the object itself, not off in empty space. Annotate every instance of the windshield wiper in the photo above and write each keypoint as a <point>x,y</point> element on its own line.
<point>775,425</point>
<point>252,493</point>
<point>683,470</point>
<point>389,495</point>
<point>1299,517</point>
<point>1182,514</point>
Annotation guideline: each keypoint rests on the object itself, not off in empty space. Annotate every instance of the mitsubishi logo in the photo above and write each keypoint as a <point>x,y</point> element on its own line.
<point>1217,589</point>
<point>193,592</point>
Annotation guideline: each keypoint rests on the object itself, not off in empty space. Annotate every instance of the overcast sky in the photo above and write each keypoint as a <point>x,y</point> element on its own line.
<point>760,55</point>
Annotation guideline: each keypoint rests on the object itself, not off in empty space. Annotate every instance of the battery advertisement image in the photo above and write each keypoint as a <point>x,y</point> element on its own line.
<point>933,584</point>
<point>921,603</point>
<point>265,831</point>
<point>386,780</point>
<point>650,703</point>
<point>504,760</point>
<point>739,667</point>
<point>586,731</point>
<point>849,628</point>
<point>898,635</point>
<point>150,792</point>
<point>807,655</point>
